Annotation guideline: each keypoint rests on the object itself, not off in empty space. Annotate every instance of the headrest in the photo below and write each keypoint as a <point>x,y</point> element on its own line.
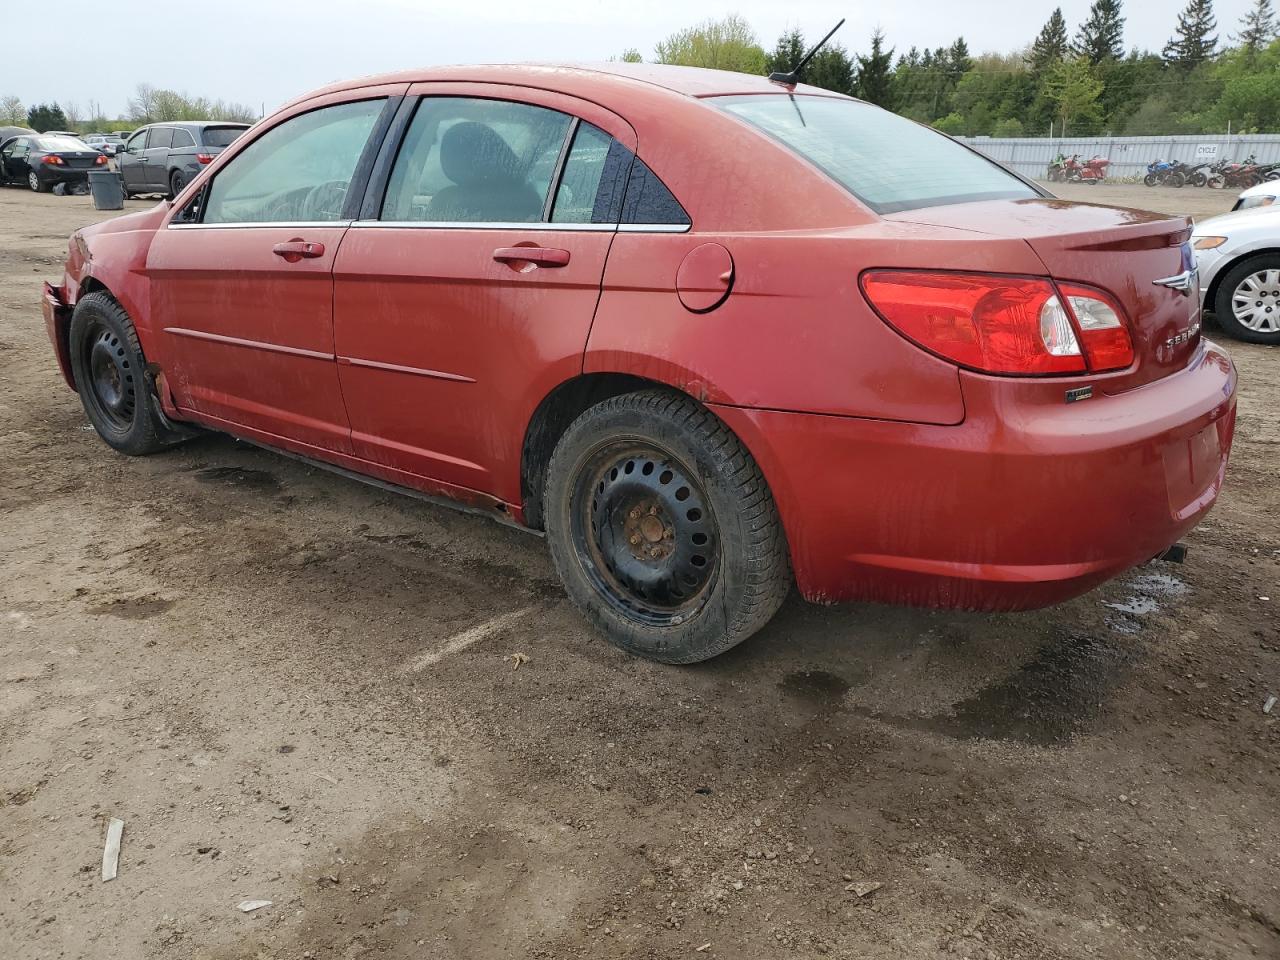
<point>472,153</point>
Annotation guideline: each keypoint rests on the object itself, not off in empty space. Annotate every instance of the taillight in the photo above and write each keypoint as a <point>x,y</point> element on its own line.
<point>54,161</point>
<point>1102,331</point>
<point>99,160</point>
<point>997,324</point>
<point>204,158</point>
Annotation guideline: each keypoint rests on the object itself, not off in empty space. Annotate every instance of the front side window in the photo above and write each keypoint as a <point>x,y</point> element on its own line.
<point>467,160</point>
<point>138,142</point>
<point>886,161</point>
<point>297,171</point>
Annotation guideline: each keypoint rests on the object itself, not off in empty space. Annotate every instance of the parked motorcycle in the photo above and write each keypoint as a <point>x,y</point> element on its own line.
<point>1057,169</point>
<point>1200,174</point>
<point>1239,175</point>
<point>1091,171</point>
<point>1164,172</point>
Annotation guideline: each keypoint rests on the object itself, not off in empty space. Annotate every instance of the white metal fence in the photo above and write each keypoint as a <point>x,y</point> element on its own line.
<point>1129,156</point>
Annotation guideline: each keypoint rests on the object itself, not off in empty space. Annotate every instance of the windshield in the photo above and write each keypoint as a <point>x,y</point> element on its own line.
<point>221,136</point>
<point>886,161</point>
<point>59,144</point>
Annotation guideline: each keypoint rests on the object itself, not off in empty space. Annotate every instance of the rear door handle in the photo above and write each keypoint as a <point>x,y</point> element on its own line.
<point>539,256</point>
<point>297,248</point>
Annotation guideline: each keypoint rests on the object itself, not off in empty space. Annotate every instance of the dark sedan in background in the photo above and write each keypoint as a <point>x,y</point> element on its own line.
<point>41,161</point>
<point>165,157</point>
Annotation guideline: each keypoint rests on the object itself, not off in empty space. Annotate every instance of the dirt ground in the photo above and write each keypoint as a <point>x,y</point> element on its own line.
<point>256,665</point>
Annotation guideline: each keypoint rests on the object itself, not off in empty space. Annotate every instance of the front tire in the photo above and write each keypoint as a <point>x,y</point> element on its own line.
<point>663,528</point>
<point>112,380</point>
<point>1150,179</point>
<point>1247,302</point>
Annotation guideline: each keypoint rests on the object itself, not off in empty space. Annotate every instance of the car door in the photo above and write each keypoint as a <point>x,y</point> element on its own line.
<point>14,158</point>
<point>132,161</point>
<point>155,159</point>
<point>466,291</point>
<point>241,277</point>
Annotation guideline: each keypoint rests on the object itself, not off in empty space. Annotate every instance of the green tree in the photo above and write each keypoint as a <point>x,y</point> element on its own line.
<point>1050,46</point>
<point>789,51</point>
<point>12,112</point>
<point>831,67</point>
<point>728,44</point>
<point>46,116</point>
<point>1101,36</point>
<point>1257,27</point>
<point>1010,127</point>
<point>875,73</point>
<point>1074,89</point>
<point>631,55</point>
<point>1195,40</point>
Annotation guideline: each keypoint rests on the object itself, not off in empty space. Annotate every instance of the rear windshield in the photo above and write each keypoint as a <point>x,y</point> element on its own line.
<point>221,136</point>
<point>60,144</point>
<point>886,161</point>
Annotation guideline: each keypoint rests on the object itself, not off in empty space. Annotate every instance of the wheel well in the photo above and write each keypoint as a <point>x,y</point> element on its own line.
<point>1211,296</point>
<point>557,410</point>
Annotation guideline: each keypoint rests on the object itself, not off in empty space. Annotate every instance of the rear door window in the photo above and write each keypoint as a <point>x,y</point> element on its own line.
<point>467,160</point>
<point>886,161</point>
<point>297,171</point>
<point>594,178</point>
<point>160,137</point>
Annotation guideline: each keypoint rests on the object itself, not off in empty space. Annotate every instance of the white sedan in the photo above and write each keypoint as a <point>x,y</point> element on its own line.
<point>1262,194</point>
<point>1238,256</point>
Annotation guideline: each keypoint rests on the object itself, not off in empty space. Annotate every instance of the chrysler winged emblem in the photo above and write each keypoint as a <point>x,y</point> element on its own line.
<point>1183,282</point>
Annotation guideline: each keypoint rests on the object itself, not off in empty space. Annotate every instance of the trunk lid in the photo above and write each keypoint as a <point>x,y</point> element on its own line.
<point>1123,252</point>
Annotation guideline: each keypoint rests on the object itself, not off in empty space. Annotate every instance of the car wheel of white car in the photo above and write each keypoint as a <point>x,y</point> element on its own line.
<point>1248,300</point>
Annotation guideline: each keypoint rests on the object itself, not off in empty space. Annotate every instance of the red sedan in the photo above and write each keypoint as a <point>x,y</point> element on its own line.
<point>713,334</point>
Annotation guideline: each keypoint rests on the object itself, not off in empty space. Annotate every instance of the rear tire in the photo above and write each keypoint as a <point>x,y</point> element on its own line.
<point>1247,301</point>
<point>35,183</point>
<point>112,380</point>
<point>1176,179</point>
<point>663,529</point>
<point>176,183</point>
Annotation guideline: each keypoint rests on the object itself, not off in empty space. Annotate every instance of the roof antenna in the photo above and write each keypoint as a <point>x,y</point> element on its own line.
<point>793,77</point>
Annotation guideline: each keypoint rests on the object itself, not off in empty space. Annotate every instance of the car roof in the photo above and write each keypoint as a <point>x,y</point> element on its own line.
<point>196,124</point>
<point>584,79</point>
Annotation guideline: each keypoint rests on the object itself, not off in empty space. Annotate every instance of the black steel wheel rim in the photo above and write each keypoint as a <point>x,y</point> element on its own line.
<point>645,533</point>
<point>112,388</point>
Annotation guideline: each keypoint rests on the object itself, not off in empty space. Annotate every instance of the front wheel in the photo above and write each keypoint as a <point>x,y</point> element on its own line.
<point>663,529</point>
<point>1150,179</point>
<point>1198,180</point>
<point>1247,303</point>
<point>1217,182</point>
<point>111,378</point>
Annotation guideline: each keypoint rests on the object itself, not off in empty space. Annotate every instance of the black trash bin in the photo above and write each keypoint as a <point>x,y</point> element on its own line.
<point>107,189</point>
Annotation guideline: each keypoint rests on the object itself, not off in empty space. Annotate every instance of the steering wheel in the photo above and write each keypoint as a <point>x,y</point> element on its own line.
<point>324,201</point>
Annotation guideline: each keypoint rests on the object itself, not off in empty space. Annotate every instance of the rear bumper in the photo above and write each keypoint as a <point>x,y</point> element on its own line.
<point>57,323</point>
<point>1029,502</point>
<point>48,174</point>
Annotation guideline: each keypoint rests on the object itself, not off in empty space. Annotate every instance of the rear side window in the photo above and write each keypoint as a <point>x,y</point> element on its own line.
<point>220,136</point>
<point>594,179</point>
<point>886,161</point>
<point>182,138</point>
<point>467,160</point>
<point>649,201</point>
<point>160,137</point>
<point>296,171</point>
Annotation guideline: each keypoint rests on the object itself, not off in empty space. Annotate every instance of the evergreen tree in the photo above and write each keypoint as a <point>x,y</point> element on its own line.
<point>875,73</point>
<point>1050,46</point>
<point>1195,41</point>
<point>1257,27</point>
<point>1101,37</point>
<point>958,60</point>
<point>46,116</point>
<point>787,53</point>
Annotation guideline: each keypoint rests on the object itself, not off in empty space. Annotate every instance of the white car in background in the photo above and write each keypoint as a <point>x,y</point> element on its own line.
<point>1262,194</point>
<point>1238,257</point>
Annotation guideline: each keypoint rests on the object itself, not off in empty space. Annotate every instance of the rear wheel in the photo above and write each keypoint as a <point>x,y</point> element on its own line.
<point>1247,303</point>
<point>35,183</point>
<point>111,378</point>
<point>1198,180</point>
<point>663,528</point>
<point>1177,179</point>
<point>176,183</point>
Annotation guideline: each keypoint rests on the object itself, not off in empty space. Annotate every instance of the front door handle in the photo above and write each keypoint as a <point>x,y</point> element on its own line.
<point>297,248</point>
<point>538,256</point>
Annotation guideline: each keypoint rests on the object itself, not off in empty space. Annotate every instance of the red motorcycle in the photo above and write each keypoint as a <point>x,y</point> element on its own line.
<point>1094,171</point>
<point>1245,174</point>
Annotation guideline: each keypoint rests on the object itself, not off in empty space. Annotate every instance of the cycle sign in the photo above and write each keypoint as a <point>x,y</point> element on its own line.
<point>1206,151</point>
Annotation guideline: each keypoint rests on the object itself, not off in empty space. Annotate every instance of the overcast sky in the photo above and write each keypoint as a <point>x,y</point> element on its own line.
<point>263,52</point>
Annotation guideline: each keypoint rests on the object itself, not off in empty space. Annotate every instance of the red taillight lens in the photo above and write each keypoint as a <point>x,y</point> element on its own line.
<point>100,160</point>
<point>1099,320</point>
<point>54,161</point>
<point>991,323</point>
<point>204,158</point>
